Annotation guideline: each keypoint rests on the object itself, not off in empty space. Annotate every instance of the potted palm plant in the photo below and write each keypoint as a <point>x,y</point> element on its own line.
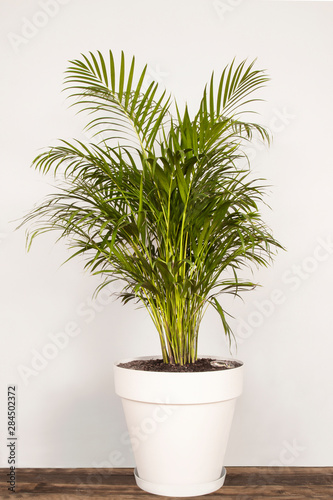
<point>163,200</point>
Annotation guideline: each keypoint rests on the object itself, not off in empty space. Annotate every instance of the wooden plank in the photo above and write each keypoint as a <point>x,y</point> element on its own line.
<point>242,483</point>
<point>279,475</point>
<point>291,493</point>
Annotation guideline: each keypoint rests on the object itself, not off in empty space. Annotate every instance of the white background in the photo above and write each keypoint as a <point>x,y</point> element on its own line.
<point>68,414</point>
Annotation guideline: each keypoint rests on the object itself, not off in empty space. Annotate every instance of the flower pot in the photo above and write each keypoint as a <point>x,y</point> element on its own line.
<point>178,425</point>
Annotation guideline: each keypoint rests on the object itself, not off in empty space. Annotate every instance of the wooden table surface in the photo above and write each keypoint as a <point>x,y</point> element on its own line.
<point>242,483</point>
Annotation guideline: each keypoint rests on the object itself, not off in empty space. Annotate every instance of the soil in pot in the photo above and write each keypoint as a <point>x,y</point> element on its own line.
<point>201,365</point>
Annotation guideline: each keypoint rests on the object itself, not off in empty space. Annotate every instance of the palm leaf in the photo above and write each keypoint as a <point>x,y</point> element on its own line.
<point>124,110</point>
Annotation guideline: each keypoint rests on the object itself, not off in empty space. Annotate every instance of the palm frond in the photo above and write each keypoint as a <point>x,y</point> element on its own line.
<point>122,110</point>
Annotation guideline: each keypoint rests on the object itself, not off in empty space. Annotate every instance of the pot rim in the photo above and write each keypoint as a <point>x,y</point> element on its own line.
<point>178,387</point>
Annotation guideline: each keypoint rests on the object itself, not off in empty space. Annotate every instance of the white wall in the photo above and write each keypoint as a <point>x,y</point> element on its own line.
<point>68,415</point>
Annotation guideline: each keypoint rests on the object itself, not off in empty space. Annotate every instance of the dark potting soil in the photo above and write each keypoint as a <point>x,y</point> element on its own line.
<point>201,365</point>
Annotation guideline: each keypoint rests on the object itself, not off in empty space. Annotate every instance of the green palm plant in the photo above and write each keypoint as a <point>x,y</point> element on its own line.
<point>163,200</point>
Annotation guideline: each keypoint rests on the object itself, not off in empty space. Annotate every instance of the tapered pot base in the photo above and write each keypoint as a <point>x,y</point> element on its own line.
<point>180,490</point>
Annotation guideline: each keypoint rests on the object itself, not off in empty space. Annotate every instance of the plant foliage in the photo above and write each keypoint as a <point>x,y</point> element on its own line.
<point>164,200</point>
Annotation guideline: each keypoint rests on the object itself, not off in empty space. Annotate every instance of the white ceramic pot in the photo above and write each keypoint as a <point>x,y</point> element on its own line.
<point>179,425</point>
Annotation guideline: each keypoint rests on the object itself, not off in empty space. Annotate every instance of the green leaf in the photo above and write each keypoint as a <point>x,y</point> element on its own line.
<point>121,77</point>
